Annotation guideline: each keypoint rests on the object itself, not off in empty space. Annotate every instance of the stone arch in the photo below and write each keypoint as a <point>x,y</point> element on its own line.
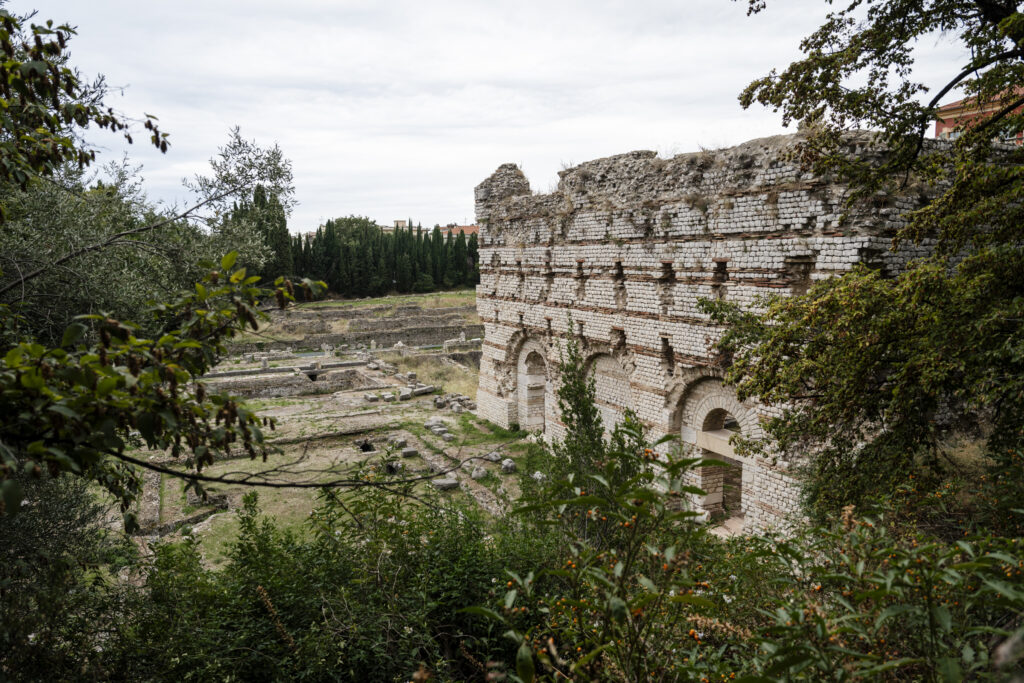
<point>532,379</point>
<point>704,397</point>
<point>720,419</point>
<point>611,388</point>
<point>708,415</point>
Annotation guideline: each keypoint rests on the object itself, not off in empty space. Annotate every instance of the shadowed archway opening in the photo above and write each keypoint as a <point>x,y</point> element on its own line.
<point>532,388</point>
<point>723,484</point>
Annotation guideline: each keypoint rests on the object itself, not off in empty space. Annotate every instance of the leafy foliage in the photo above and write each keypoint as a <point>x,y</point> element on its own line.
<point>58,594</point>
<point>356,258</point>
<point>860,602</point>
<point>370,596</point>
<point>875,376</point>
<point>80,406</point>
<point>266,216</point>
<point>43,101</point>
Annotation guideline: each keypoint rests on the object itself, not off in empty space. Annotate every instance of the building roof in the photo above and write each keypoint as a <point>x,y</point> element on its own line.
<point>465,229</point>
<point>969,102</point>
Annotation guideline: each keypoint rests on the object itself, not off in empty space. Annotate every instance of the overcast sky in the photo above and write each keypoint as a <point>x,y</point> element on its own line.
<point>391,109</point>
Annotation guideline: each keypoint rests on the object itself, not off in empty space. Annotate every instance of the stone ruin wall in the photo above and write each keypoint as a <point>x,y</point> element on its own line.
<point>627,245</point>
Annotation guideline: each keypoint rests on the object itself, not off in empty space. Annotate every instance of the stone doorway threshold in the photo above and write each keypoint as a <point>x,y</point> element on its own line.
<point>732,526</point>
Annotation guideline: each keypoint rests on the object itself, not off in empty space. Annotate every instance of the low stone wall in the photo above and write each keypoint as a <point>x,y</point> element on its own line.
<point>469,358</point>
<point>302,368</point>
<point>410,336</point>
<point>277,385</point>
<point>420,320</point>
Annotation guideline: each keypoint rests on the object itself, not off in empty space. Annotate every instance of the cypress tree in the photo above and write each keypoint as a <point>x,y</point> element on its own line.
<point>403,276</point>
<point>460,260</point>
<point>473,253</point>
<point>450,269</point>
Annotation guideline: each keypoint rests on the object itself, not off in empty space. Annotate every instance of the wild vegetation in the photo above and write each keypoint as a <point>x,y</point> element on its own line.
<point>909,569</point>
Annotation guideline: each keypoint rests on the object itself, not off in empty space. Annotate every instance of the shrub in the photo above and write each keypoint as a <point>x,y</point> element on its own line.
<point>373,593</point>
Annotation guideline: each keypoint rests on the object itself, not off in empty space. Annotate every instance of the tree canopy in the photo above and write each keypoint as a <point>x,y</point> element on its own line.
<point>43,102</point>
<point>875,374</point>
<point>355,257</point>
<point>81,386</point>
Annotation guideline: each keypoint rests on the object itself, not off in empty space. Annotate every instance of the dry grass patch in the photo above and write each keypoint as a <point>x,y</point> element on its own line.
<point>462,297</point>
<point>432,369</point>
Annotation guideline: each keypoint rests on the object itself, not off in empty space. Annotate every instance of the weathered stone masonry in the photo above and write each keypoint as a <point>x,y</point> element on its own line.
<point>626,246</point>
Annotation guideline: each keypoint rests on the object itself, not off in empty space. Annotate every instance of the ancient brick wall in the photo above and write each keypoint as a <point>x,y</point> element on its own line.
<point>625,247</point>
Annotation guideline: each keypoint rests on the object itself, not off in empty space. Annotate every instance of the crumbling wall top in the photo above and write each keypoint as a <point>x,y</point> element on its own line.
<point>507,181</point>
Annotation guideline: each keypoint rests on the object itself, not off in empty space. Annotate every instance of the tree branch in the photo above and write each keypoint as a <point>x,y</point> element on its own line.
<point>971,69</point>
<point>251,479</point>
<point>114,238</point>
<point>1003,113</point>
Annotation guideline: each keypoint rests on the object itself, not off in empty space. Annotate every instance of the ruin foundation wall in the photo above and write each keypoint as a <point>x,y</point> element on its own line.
<point>624,247</point>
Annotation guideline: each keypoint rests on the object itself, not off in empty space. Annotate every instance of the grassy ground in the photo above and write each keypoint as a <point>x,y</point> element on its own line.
<point>461,297</point>
<point>313,417</point>
<point>280,330</point>
<point>431,369</point>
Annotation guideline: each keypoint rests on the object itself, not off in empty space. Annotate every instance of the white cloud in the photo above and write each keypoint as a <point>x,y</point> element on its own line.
<point>398,108</point>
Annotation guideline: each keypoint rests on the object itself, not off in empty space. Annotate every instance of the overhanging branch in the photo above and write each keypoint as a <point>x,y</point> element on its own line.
<point>109,241</point>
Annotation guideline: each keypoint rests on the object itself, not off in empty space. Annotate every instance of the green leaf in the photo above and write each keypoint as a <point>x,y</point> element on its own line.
<point>146,423</point>
<point>586,501</point>
<point>524,663</point>
<point>510,598</point>
<point>31,379</point>
<point>12,495</point>
<point>587,658</point>
<point>72,333</point>
<point>966,547</point>
<point>617,607</point>
<point>1003,588</point>
<point>13,357</point>
<point>890,612</point>
<point>950,671</point>
<point>942,617</point>
<point>648,584</point>
<point>64,410</point>
<point>105,386</point>
<point>229,260</point>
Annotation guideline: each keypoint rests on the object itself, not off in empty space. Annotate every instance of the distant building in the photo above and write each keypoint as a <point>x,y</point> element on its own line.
<point>398,225</point>
<point>467,230</point>
<point>952,118</point>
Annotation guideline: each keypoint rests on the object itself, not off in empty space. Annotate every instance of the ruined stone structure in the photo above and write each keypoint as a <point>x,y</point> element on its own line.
<point>626,246</point>
<point>381,326</point>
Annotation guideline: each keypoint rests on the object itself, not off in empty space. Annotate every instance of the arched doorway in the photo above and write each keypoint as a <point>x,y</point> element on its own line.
<point>723,484</point>
<point>532,389</point>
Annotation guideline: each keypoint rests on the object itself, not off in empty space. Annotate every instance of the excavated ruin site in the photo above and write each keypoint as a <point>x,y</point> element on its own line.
<point>616,258</point>
<point>384,383</point>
